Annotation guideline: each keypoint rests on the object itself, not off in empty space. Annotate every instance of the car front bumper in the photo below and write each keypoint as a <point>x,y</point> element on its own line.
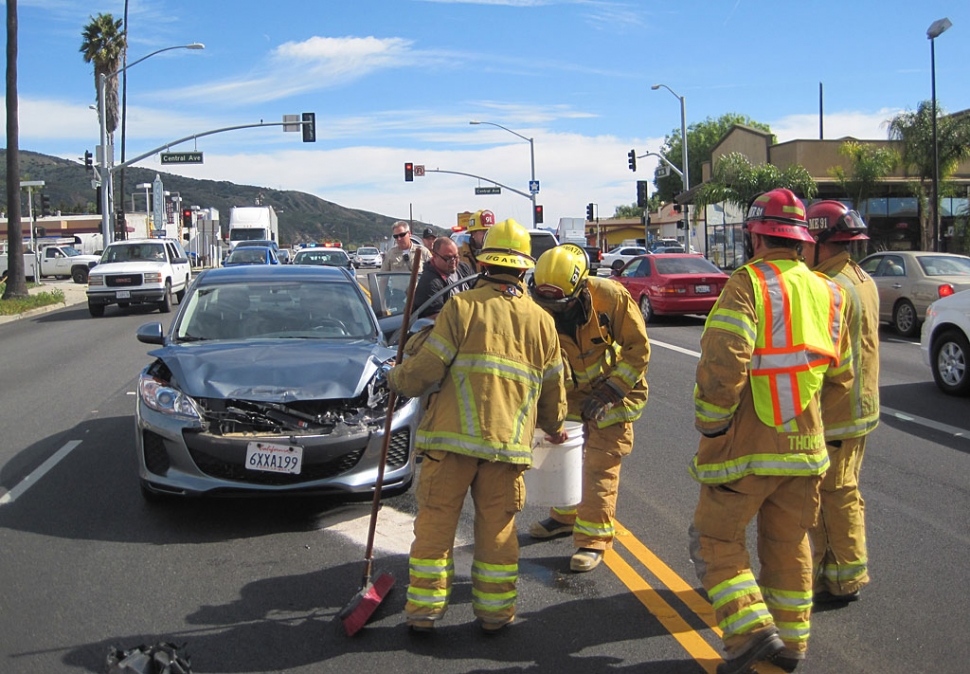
<point>136,296</point>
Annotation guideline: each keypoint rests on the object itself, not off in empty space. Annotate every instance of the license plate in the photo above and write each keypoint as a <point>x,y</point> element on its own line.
<point>702,290</point>
<point>273,458</point>
<point>123,294</point>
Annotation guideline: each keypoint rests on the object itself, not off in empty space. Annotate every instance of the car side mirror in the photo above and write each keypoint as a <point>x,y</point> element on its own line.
<point>180,260</point>
<point>150,333</point>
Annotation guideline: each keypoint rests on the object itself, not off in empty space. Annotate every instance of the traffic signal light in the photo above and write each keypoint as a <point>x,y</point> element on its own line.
<point>187,217</point>
<point>88,160</point>
<point>681,224</point>
<point>408,172</point>
<point>45,205</point>
<point>538,215</point>
<point>589,212</point>
<point>309,127</point>
<point>632,154</point>
<point>642,198</point>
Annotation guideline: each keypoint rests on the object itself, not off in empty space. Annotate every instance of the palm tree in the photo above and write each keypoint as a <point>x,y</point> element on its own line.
<point>737,181</point>
<point>914,130</point>
<point>869,165</point>
<point>16,282</point>
<point>103,44</point>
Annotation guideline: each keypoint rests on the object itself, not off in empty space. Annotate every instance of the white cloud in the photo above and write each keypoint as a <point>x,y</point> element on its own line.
<point>861,125</point>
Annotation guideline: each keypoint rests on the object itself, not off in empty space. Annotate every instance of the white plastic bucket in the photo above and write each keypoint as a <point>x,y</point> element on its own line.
<point>556,476</point>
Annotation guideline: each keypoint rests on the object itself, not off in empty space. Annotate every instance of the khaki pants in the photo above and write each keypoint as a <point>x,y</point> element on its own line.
<point>839,537</point>
<point>592,520</point>
<point>786,508</point>
<point>498,492</point>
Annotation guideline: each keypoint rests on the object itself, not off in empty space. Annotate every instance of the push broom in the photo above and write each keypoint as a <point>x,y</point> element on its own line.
<point>372,592</point>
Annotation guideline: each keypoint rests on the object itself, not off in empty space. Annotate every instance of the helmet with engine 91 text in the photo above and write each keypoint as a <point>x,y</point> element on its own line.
<point>507,244</point>
<point>479,221</point>
<point>560,275</point>
<point>832,221</point>
<point>778,213</point>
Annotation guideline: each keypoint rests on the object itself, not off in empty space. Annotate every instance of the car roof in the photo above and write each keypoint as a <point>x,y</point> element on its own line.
<point>270,273</point>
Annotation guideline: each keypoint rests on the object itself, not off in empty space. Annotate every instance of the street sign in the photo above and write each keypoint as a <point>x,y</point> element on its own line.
<point>488,190</point>
<point>181,157</point>
<point>292,123</point>
<point>534,186</point>
<point>663,171</point>
<point>419,170</point>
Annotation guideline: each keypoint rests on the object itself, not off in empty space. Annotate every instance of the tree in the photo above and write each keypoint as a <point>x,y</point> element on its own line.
<point>103,43</point>
<point>702,137</point>
<point>737,181</point>
<point>631,211</point>
<point>914,130</point>
<point>16,280</point>
<point>870,164</point>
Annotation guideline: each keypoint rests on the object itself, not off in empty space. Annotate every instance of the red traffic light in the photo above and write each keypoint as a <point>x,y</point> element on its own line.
<point>408,172</point>
<point>186,217</point>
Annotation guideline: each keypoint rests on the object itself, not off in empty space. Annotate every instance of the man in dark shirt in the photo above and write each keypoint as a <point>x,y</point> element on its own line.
<point>444,269</point>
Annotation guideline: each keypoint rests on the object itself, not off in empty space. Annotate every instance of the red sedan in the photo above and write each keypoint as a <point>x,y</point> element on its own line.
<point>672,283</point>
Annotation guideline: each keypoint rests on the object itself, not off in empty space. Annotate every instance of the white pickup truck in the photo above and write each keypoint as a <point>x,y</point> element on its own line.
<point>56,261</point>
<point>139,271</point>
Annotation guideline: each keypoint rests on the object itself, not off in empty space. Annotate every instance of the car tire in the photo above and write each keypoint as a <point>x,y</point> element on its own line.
<point>180,295</point>
<point>80,275</point>
<point>165,305</point>
<point>646,309</point>
<point>617,265</point>
<point>96,310</point>
<point>951,363</point>
<point>905,320</point>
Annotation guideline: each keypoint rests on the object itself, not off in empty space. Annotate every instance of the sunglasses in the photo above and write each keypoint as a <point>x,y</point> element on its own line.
<point>401,235</point>
<point>448,258</point>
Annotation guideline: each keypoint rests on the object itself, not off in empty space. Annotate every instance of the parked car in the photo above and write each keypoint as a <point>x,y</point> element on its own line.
<point>243,255</point>
<point>139,271</point>
<point>945,343</point>
<point>619,256</point>
<point>672,283</point>
<point>331,257</point>
<point>909,281</point>
<point>368,256</point>
<point>270,381</point>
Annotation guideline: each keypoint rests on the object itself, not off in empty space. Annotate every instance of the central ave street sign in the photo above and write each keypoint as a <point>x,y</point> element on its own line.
<point>488,190</point>
<point>181,157</point>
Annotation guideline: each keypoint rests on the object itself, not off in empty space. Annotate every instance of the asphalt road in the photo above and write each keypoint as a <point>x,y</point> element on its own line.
<point>254,586</point>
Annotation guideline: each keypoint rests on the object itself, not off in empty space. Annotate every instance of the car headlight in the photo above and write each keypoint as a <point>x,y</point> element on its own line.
<point>95,280</point>
<point>161,397</point>
<point>153,277</point>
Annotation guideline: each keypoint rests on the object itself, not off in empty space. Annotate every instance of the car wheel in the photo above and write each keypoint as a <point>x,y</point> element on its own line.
<point>904,318</point>
<point>646,309</point>
<point>80,275</point>
<point>180,295</point>
<point>165,306</point>
<point>96,310</point>
<point>951,358</point>
<point>617,265</point>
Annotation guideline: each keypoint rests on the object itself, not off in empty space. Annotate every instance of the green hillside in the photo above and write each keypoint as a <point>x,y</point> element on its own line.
<point>303,217</point>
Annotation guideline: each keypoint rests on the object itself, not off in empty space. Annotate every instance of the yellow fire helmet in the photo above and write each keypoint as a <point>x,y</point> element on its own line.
<point>560,275</point>
<point>507,244</point>
<point>480,221</point>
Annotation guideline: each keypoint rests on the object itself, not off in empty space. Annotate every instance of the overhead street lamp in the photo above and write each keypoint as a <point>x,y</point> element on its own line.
<point>685,179</point>
<point>934,31</point>
<point>532,155</point>
<point>104,165</point>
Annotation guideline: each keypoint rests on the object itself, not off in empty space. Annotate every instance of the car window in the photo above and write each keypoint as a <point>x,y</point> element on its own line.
<point>541,242</point>
<point>939,265</point>
<point>367,251</point>
<point>871,264</point>
<point>685,265</point>
<point>288,310</point>
<point>636,269</point>
<point>891,265</point>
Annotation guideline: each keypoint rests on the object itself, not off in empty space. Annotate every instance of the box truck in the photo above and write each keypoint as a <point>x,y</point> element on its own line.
<point>252,223</point>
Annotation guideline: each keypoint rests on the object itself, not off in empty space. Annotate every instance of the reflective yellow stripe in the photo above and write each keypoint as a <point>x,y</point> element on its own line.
<point>797,464</point>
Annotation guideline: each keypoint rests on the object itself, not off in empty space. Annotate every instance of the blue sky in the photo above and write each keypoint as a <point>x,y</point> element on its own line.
<point>393,81</point>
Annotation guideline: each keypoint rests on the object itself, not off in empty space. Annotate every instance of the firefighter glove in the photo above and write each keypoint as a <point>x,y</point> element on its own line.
<point>600,401</point>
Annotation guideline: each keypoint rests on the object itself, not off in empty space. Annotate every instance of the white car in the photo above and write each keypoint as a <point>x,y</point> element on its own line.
<point>368,256</point>
<point>945,343</point>
<point>620,255</point>
<point>139,271</point>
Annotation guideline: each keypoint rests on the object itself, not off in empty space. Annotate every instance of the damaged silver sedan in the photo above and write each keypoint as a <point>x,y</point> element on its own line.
<point>270,380</point>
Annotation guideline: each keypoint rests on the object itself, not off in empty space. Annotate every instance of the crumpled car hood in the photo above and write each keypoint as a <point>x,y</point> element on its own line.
<point>274,370</point>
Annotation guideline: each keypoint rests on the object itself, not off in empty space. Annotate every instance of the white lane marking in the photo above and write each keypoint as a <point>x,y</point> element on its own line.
<point>679,349</point>
<point>34,477</point>
<point>923,421</point>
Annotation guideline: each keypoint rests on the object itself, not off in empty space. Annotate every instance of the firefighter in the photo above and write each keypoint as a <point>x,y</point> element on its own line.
<point>839,537</point>
<point>774,334</point>
<point>478,225</point>
<point>605,342</point>
<point>495,356</point>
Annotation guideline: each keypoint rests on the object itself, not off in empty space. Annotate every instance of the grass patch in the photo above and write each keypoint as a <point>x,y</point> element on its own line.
<point>34,301</point>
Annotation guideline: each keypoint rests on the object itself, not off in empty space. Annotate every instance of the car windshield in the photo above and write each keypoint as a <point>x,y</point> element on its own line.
<point>941,265</point>
<point>257,242</point>
<point>367,251</point>
<point>247,234</point>
<point>257,255</point>
<point>685,265</point>
<point>333,258</point>
<point>134,251</point>
<point>276,310</point>
<point>541,243</point>
<point>70,252</point>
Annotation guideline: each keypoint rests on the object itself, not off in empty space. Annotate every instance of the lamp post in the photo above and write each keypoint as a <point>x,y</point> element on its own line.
<point>532,156</point>
<point>685,179</point>
<point>103,159</point>
<point>934,31</point>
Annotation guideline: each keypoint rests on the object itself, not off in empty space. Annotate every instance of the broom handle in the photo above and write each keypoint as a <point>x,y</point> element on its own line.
<point>388,421</point>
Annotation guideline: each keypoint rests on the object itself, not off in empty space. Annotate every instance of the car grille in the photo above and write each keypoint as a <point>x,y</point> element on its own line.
<point>397,451</point>
<point>123,280</point>
<point>156,458</point>
<point>222,469</point>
